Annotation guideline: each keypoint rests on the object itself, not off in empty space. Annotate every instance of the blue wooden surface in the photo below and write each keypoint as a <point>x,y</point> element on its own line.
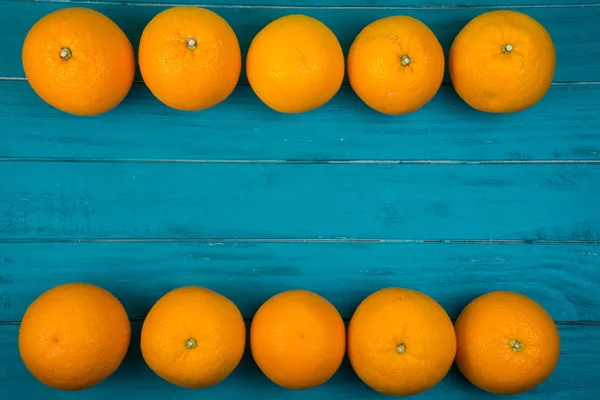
<point>224,200</point>
<point>578,48</point>
<point>574,378</point>
<point>340,200</point>
<point>565,278</point>
<point>563,127</point>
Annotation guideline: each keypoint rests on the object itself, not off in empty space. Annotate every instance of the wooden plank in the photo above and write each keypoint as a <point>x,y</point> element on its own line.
<point>340,4</point>
<point>165,200</point>
<point>242,128</point>
<point>574,29</point>
<point>565,279</point>
<point>576,376</point>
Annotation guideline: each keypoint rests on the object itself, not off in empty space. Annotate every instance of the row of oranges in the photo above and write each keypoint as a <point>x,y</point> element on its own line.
<point>81,62</point>
<point>399,341</point>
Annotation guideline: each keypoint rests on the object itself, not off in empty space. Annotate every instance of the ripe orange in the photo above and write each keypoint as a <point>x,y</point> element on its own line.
<point>396,65</point>
<point>507,343</point>
<point>190,58</point>
<point>401,342</point>
<point>502,61</point>
<point>79,61</point>
<point>295,64</point>
<point>298,339</point>
<point>193,337</point>
<point>74,336</point>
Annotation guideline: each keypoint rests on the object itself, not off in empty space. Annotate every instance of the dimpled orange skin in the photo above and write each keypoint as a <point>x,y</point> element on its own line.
<point>401,342</point>
<point>376,71</point>
<point>190,78</point>
<point>74,336</point>
<point>99,72</point>
<point>492,80</point>
<point>298,339</point>
<point>193,337</point>
<point>487,331</point>
<point>295,64</point>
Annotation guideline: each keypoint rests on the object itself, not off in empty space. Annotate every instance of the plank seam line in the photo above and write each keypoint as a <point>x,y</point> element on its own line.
<point>560,323</point>
<point>314,7</point>
<point>345,84</point>
<point>102,160</point>
<point>340,240</point>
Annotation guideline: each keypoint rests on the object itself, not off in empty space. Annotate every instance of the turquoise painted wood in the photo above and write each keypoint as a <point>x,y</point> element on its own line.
<point>340,200</point>
<point>241,201</point>
<point>573,378</point>
<point>564,278</point>
<point>363,4</point>
<point>578,47</point>
<point>563,127</point>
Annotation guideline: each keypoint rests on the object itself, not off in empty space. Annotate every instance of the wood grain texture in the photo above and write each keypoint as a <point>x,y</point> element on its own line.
<point>340,4</point>
<point>563,126</point>
<point>575,377</point>
<point>145,199</point>
<point>565,279</point>
<point>574,30</point>
<point>133,200</point>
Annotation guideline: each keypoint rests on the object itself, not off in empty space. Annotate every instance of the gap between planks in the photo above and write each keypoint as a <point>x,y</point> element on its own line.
<point>563,323</point>
<point>314,7</point>
<point>223,241</point>
<point>102,160</point>
<point>140,82</point>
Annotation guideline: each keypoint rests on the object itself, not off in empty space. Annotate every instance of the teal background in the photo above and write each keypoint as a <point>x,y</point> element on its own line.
<point>341,200</point>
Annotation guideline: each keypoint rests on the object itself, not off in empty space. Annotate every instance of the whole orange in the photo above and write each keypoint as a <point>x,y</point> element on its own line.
<point>401,342</point>
<point>193,337</point>
<point>295,64</point>
<point>74,336</point>
<point>502,61</point>
<point>190,58</point>
<point>396,65</point>
<point>298,339</point>
<point>507,343</point>
<point>79,61</point>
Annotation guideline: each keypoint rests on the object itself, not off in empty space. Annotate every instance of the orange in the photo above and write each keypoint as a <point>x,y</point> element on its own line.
<point>190,58</point>
<point>396,65</point>
<point>79,61</point>
<point>502,61</point>
<point>74,336</point>
<point>298,339</point>
<point>507,343</point>
<point>401,342</point>
<point>295,64</point>
<point>193,337</point>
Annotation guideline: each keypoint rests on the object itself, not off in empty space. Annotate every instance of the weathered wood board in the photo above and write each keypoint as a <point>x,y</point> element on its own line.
<point>340,200</point>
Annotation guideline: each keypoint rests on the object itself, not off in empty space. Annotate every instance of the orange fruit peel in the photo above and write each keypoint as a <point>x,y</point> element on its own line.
<point>507,343</point>
<point>502,61</point>
<point>78,61</point>
<point>396,65</point>
<point>190,58</point>
<point>295,64</point>
<point>400,342</point>
<point>74,336</point>
<point>298,339</point>
<point>193,337</point>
